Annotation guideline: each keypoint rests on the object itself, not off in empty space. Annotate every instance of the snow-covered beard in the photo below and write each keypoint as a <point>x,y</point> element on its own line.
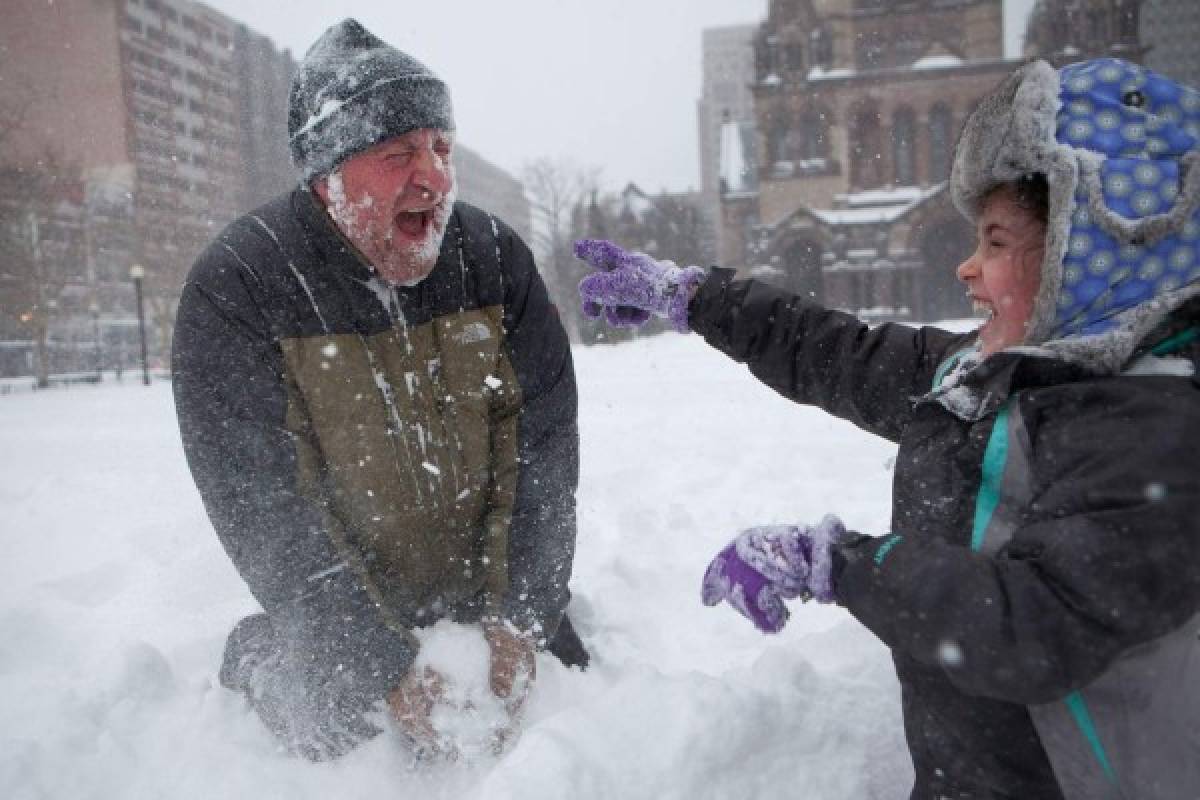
<point>373,231</point>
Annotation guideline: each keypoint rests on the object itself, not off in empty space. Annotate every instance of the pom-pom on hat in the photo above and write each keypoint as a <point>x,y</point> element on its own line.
<point>352,91</point>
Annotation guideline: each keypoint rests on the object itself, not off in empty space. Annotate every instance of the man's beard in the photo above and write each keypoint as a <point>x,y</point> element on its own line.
<point>407,263</point>
<point>398,261</point>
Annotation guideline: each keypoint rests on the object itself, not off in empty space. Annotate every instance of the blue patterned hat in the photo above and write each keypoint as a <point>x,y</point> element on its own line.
<point>1117,143</point>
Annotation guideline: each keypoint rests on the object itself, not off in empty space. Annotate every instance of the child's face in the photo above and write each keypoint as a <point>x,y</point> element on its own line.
<point>1004,273</point>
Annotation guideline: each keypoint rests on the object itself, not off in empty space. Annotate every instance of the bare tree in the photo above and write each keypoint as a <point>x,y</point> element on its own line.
<point>556,188</point>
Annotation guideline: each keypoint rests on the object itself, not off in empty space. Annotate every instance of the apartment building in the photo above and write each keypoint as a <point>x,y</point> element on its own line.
<point>158,121</point>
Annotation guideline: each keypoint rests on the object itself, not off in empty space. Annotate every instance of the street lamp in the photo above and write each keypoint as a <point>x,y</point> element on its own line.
<point>137,272</point>
<point>94,308</point>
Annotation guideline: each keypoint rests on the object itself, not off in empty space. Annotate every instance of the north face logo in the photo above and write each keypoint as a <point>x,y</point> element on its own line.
<point>473,332</point>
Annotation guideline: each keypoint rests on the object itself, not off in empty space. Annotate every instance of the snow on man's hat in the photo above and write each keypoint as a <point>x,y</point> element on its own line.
<point>352,91</point>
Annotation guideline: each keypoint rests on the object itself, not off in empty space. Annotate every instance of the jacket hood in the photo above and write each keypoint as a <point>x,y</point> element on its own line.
<point>1118,144</point>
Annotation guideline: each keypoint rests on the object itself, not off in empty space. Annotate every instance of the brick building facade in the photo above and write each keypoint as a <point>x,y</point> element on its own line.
<point>1162,34</point>
<point>857,108</point>
<point>1065,31</point>
<point>158,111</point>
<point>1170,31</point>
<point>162,120</point>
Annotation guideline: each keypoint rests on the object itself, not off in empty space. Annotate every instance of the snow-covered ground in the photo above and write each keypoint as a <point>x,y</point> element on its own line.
<point>115,600</point>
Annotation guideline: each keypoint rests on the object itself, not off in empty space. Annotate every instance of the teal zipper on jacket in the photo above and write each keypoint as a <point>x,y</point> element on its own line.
<point>1176,342</point>
<point>995,457</point>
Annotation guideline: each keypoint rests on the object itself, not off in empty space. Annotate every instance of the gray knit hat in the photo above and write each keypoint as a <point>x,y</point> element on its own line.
<point>352,91</point>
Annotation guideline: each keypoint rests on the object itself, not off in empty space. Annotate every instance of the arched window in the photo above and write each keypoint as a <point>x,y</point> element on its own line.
<point>1127,21</point>
<point>794,57</point>
<point>793,145</point>
<point>904,148</point>
<point>765,49</point>
<point>941,138</point>
<point>866,150</point>
<point>778,142</point>
<point>821,48</point>
<point>814,135</point>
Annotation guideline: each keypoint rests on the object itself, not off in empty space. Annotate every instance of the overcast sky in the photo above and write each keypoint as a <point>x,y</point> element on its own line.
<point>610,84</point>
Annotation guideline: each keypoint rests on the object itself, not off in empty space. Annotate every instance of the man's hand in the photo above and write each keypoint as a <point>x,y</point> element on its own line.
<point>513,666</point>
<point>412,705</point>
<point>511,674</point>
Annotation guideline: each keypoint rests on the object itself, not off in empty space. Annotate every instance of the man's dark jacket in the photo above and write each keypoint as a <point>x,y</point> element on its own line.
<point>371,458</point>
<point>1081,592</point>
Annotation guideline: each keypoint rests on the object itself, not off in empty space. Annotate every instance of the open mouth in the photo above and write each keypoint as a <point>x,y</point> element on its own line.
<point>982,308</point>
<point>415,224</point>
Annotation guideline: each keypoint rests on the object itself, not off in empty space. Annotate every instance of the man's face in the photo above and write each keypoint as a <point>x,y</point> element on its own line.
<point>393,200</point>
<point>1005,272</point>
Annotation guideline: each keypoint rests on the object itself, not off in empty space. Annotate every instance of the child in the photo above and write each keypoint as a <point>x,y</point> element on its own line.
<point>1040,586</point>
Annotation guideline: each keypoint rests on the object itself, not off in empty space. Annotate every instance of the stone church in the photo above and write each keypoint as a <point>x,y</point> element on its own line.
<point>857,105</point>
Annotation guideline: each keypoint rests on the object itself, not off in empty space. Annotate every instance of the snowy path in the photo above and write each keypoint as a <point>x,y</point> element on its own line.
<point>115,599</point>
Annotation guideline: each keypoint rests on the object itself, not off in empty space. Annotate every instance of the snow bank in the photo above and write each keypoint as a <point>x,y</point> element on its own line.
<point>115,599</point>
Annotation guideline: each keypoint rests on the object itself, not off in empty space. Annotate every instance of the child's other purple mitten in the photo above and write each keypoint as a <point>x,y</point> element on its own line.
<point>766,565</point>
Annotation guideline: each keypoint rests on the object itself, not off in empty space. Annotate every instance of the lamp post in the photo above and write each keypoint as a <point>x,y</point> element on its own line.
<point>137,272</point>
<point>94,308</point>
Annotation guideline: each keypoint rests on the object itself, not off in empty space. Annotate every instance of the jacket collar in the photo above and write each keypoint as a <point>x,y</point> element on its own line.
<point>333,248</point>
<point>975,387</point>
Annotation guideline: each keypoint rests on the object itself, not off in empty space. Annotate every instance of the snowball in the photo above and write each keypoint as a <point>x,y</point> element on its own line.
<point>469,717</point>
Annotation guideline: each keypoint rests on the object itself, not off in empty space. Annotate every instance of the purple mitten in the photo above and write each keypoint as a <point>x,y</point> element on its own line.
<point>764,566</point>
<point>628,287</point>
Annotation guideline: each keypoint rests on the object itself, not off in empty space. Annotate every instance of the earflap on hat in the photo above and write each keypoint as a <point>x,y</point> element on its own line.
<point>1133,252</point>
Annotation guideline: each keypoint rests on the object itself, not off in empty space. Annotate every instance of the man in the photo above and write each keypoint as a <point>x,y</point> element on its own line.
<point>378,406</point>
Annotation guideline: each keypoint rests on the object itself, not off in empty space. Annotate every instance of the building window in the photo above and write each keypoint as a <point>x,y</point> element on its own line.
<point>814,138</point>
<point>909,46</point>
<point>1127,22</point>
<point>941,133</point>
<point>866,150</point>
<point>822,48</point>
<point>904,150</point>
<point>766,51</point>
<point>794,57</point>
<point>870,50</point>
<point>778,142</point>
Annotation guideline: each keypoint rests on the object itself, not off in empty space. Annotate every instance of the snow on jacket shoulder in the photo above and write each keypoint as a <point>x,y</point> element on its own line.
<point>373,458</point>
